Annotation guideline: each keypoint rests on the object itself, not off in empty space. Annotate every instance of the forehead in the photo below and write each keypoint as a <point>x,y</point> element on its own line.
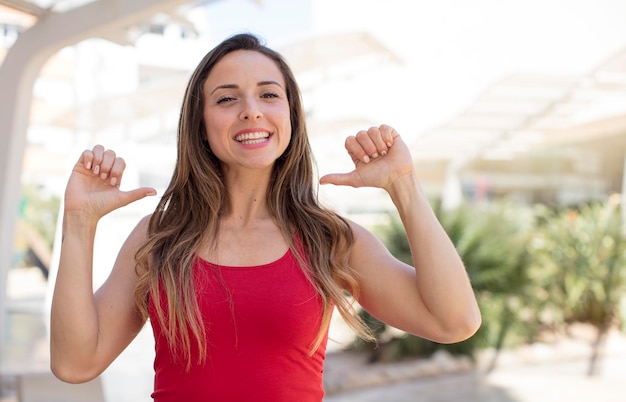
<point>242,65</point>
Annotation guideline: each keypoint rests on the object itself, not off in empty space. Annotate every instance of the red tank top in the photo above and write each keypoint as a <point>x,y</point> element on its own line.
<point>260,323</point>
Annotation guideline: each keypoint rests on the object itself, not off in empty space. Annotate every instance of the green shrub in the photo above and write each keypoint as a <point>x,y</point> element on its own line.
<point>579,256</point>
<point>533,269</point>
<point>492,241</point>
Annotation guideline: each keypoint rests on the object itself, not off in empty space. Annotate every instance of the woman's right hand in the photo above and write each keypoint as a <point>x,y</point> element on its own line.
<point>93,189</point>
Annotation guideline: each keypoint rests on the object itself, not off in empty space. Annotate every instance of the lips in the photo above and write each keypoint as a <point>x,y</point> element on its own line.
<point>252,138</point>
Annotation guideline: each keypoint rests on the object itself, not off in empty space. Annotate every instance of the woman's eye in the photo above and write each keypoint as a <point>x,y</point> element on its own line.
<point>224,99</point>
<point>269,95</point>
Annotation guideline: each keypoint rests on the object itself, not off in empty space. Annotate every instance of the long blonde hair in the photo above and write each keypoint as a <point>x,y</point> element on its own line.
<point>196,197</point>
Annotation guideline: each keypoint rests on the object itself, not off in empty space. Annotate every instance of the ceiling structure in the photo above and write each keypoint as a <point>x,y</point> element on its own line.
<point>544,138</point>
<point>524,111</point>
<point>41,8</point>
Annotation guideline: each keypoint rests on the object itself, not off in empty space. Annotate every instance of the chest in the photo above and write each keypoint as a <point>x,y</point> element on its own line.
<point>260,322</point>
<point>254,245</point>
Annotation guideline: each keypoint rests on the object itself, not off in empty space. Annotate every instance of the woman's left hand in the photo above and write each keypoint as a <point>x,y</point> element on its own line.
<point>380,157</point>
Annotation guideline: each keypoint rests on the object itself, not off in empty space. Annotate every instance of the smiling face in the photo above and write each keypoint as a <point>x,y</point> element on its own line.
<point>246,111</point>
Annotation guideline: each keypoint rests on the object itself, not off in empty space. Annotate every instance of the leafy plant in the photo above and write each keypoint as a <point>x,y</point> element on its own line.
<point>579,259</point>
<point>533,269</point>
<point>491,240</point>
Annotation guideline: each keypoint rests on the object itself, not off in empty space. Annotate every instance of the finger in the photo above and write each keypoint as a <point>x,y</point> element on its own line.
<point>116,172</point>
<point>364,138</point>
<point>86,159</point>
<point>355,150</point>
<point>135,195</point>
<point>108,159</point>
<point>97,152</point>
<point>376,137</point>
<point>339,179</point>
<point>389,134</point>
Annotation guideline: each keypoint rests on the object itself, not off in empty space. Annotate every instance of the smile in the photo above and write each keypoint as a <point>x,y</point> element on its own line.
<point>253,138</point>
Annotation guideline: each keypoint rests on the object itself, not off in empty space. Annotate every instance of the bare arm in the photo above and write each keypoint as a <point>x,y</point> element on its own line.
<point>435,299</point>
<point>89,330</point>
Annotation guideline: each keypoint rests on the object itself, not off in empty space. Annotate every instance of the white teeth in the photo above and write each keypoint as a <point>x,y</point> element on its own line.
<point>253,138</point>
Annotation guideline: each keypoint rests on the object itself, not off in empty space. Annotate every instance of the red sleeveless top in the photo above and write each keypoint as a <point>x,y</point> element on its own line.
<point>260,323</point>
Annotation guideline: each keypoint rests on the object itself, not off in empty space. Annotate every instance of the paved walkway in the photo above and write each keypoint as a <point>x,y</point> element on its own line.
<point>545,382</point>
<point>554,371</point>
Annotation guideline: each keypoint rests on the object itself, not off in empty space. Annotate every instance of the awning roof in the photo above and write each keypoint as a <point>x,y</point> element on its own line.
<point>39,8</point>
<point>523,111</point>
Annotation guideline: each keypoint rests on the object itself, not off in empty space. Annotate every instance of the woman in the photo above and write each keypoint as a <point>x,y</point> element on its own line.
<point>239,267</point>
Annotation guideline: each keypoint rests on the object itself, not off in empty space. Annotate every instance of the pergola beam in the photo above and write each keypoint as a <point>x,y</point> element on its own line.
<point>25,7</point>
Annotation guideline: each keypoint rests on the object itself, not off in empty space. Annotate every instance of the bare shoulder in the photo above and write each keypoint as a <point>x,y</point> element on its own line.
<point>127,255</point>
<point>373,261</point>
<point>367,247</point>
<point>140,233</point>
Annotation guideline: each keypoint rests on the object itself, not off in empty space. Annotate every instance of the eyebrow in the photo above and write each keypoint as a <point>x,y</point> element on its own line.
<point>235,86</point>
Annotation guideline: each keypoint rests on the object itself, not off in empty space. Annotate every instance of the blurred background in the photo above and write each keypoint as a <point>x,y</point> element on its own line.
<point>515,112</point>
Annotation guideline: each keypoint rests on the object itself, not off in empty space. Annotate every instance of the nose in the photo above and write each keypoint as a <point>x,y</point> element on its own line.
<point>250,110</point>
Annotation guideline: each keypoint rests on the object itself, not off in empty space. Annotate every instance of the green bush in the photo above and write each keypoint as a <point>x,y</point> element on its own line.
<point>579,256</point>
<point>533,269</point>
<point>492,241</point>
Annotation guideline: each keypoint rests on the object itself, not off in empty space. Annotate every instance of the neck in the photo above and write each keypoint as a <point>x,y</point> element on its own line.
<point>247,191</point>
